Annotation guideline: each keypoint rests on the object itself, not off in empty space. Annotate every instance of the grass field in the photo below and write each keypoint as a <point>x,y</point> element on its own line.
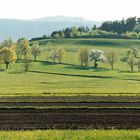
<point>69,78</point>
<point>71,135</point>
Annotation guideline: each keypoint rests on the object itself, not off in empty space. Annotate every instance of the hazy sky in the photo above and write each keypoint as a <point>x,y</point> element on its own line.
<point>97,10</point>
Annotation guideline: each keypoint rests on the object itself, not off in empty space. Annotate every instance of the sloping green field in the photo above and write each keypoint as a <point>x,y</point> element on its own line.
<point>69,78</point>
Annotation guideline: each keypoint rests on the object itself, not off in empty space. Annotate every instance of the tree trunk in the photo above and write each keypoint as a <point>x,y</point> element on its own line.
<point>18,58</point>
<point>112,66</point>
<point>7,65</point>
<point>54,61</point>
<point>95,64</point>
<point>81,64</point>
<point>138,68</point>
<point>86,63</point>
<point>35,58</point>
<point>59,61</point>
<point>132,69</point>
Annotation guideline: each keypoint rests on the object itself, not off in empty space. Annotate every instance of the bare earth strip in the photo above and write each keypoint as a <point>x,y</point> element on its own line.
<point>67,112</point>
<point>69,118</point>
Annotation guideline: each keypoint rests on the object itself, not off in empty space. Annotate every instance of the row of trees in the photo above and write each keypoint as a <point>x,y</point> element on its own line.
<point>57,55</point>
<point>111,57</point>
<point>86,56</point>
<point>95,56</point>
<point>20,51</point>
<point>23,49</point>
<point>74,32</point>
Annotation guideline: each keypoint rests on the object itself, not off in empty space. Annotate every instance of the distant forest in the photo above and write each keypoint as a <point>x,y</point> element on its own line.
<point>125,29</point>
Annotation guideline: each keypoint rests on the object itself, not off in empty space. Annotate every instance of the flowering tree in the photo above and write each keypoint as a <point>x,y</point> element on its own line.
<point>95,56</point>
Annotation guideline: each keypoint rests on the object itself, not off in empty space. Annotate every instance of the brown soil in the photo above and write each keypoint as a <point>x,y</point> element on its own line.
<point>69,118</point>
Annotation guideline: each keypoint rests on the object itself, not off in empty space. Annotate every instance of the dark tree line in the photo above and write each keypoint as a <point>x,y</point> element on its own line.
<point>121,26</point>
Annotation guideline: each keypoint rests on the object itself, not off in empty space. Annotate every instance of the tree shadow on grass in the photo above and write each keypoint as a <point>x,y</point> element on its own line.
<point>76,67</point>
<point>16,72</point>
<point>45,83</point>
<point>101,69</point>
<point>105,43</point>
<point>52,63</point>
<point>45,62</point>
<point>73,75</point>
<point>2,69</point>
<point>127,71</point>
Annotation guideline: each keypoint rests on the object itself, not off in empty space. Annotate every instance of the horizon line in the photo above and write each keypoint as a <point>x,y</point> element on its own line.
<point>38,18</point>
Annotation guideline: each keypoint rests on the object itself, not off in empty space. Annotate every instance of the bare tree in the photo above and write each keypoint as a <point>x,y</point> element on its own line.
<point>61,53</point>
<point>83,55</point>
<point>26,63</point>
<point>111,58</point>
<point>131,62</point>
<point>132,58</point>
<point>53,56</point>
<point>138,64</point>
<point>22,48</point>
<point>36,51</point>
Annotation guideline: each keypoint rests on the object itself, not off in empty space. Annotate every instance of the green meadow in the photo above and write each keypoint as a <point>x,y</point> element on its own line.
<point>69,78</point>
<point>71,135</point>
